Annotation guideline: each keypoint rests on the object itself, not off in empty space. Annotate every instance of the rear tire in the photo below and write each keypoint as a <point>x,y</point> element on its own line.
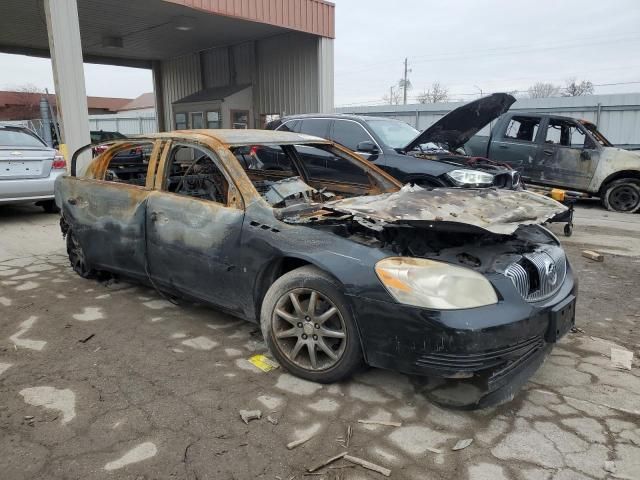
<point>307,324</point>
<point>50,206</point>
<point>77,257</point>
<point>622,195</point>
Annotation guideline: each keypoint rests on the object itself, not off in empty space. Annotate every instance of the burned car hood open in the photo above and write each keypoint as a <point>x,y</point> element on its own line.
<point>458,126</point>
<point>493,210</point>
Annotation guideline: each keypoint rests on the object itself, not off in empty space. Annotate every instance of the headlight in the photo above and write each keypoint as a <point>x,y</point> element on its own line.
<point>470,177</point>
<point>430,284</point>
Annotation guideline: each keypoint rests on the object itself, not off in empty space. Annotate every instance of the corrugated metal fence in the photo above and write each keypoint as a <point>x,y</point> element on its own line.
<point>124,125</point>
<point>108,123</point>
<point>617,115</point>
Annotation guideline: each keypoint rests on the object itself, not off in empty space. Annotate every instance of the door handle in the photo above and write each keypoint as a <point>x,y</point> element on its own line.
<point>503,146</point>
<point>72,201</point>
<point>154,216</point>
<point>548,152</point>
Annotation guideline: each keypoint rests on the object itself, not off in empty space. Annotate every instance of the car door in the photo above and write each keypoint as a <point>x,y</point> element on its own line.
<point>516,144</point>
<point>106,207</point>
<point>568,156</point>
<point>194,221</point>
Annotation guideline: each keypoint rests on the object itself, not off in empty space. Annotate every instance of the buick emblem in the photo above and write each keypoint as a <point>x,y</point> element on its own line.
<point>16,153</point>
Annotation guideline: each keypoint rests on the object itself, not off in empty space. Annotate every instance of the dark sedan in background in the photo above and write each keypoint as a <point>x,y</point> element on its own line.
<point>427,158</point>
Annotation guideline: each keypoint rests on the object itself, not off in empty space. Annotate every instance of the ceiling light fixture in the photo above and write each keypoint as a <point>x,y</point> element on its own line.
<point>184,23</point>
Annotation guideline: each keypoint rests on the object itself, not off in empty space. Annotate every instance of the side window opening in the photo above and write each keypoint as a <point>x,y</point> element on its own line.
<point>192,172</point>
<point>566,134</point>
<point>130,165</point>
<point>524,129</point>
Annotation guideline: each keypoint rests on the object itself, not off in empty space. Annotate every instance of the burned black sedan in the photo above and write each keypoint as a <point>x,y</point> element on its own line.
<point>453,283</point>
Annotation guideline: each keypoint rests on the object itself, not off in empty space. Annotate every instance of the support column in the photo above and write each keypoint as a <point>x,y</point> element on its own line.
<point>63,28</point>
<point>325,75</point>
<point>159,95</point>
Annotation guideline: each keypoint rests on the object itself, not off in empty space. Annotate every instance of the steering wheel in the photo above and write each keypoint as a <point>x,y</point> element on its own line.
<point>179,187</point>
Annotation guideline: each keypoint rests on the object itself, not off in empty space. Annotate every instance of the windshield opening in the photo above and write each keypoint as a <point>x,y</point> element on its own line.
<point>291,175</point>
<point>599,137</point>
<point>394,133</point>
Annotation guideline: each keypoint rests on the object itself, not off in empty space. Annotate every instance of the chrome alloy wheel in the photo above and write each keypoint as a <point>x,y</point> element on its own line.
<point>309,329</point>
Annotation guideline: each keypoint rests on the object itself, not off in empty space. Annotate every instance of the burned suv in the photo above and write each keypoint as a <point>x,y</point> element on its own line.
<point>429,158</point>
<point>442,282</point>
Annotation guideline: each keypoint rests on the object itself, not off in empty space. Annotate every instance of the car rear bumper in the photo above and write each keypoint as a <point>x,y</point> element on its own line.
<point>29,189</point>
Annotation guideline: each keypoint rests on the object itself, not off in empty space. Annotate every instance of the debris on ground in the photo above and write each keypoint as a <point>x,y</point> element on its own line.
<point>368,465</point>
<point>248,415</point>
<point>344,440</point>
<point>263,362</point>
<point>609,466</point>
<point>272,420</point>
<point>86,339</point>
<point>380,422</point>
<point>621,358</point>
<point>433,450</point>
<point>318,466</point>
<point>593,255</point>
<point>576,330</point>
<point>462,444</point>
<point>297,443</point>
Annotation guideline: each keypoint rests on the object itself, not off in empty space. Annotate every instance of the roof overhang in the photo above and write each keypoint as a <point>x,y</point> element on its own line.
<point>134,33</point>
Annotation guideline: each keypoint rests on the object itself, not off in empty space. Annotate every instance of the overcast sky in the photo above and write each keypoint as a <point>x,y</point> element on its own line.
<point>466,45</point>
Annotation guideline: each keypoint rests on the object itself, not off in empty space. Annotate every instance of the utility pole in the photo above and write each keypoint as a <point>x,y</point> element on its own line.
<point>404,84</point>
<point>391,95</point>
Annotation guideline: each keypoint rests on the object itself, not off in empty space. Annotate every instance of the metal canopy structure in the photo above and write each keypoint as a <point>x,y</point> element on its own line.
<point>282,49</point>
<point>160,29</point>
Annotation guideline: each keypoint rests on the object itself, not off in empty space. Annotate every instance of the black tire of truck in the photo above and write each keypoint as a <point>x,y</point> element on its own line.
<point>622,195</point>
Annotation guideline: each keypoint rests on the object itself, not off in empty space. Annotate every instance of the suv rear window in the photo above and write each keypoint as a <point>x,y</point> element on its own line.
<point>10,137</point>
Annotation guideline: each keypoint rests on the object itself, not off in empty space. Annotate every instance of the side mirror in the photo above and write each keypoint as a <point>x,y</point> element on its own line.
<point>585,155</point>
<point>367,147</point>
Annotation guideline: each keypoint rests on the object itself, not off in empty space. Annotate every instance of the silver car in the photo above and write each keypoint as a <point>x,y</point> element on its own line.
<point>28,168</point>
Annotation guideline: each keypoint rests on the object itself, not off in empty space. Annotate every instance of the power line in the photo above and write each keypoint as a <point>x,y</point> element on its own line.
<point>475,94</point>
<point>493,52</point>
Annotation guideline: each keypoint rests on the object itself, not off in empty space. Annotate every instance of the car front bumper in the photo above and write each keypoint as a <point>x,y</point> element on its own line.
<point>502,344</point>
<point>29,189</point>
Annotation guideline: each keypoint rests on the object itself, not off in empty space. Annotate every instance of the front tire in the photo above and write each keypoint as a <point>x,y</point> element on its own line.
<point>622,195</point>
<point>307,324</point>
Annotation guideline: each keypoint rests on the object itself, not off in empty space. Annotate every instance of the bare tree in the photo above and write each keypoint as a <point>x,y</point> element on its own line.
<point>393,97</point>
<point>543,90</point>
<point>575,89</point>
<point>27,102</point>
<point>434,94</point>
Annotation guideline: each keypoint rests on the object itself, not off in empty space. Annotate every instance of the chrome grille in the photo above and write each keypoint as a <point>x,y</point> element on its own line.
<point>540,274</point>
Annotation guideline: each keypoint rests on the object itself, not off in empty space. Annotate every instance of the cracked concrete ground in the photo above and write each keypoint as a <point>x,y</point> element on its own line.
<point>109,380</point>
